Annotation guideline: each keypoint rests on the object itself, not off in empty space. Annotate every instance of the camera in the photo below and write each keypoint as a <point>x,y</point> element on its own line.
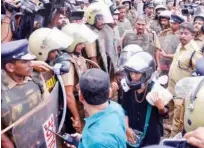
<point>190,9</point>
<point>27,6</point>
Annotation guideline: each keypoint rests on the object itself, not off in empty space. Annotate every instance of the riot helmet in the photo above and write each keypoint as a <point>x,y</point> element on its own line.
<point>80,33</point>
<point>126,53</point>
<point>142,63</point>
<point>98,9</point>
<point>44,40</point>
<point>201,16</point>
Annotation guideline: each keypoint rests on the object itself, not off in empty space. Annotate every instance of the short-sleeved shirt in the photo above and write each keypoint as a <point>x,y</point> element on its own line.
<point>200,41</point>
<point>180,66</point>
<point>105,129</point>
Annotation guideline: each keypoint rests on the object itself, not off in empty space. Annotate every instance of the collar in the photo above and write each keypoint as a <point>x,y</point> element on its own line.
<point>9,82</point>
<point>97,116</point>
<point>200,37</point>
<point>192,45</point>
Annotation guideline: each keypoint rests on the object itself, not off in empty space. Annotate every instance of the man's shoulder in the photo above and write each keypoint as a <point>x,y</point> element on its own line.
<point>165,32</point>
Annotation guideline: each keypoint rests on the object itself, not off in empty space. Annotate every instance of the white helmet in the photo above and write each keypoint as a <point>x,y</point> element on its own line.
<point>80,33</point>
<point>44,40</point>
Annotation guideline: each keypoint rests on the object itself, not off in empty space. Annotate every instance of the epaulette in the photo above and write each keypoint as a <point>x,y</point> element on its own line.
<point>164,32</point>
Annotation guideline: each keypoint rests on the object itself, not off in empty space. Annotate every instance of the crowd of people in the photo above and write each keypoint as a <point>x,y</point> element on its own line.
<point>112,74</point>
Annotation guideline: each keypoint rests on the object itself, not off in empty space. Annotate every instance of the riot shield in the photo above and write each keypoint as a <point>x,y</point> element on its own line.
<point>168,44</point>
<point>143,41</point>
<point>185,86</point>
<point>32,132</point>
<point>111,51</point>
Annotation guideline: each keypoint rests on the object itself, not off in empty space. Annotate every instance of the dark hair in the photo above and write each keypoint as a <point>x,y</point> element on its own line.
<point>94,85</point>
<point>4,62</point>
<point>188,26</point>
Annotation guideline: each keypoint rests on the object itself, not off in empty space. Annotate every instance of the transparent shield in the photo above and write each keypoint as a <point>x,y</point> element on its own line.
<point>126,53</point>
<point>31,132</point>
<point>185,86</point>
<point>57,40</point>
<point>169,43</point>
<point>104,9</point>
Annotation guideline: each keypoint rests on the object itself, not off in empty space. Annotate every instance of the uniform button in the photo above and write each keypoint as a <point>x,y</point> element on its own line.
<point>138,119</point>
<point>138,113</point>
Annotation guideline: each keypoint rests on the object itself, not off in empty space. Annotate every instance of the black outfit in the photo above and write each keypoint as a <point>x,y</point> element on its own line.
<point>136,113</point>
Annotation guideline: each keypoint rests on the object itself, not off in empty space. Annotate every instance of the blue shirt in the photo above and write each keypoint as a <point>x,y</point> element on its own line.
<point>105,129</point>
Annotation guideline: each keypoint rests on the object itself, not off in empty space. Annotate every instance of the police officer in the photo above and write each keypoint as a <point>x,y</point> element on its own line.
<point>193,123</point>
<point>59,18</point>
<point>17,75</point>
<point>148,40</point>
<point>155,24</point>
<point>102,51</point>
<point>149,11</point>
<point>45,41</point>
<point>183,64</point>
<point>175,21</point>
<point>164,18</point>
<point>78,64</point>
<point>131,12</point>
<point>198,24</point>
<point>169,36</point>
<point>123,24</point>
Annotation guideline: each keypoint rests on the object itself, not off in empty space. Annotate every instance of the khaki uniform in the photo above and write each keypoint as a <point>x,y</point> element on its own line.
<point>78,66</point>
<point>149,18</point>
<point>200,41</point>
<point>179,69</point>
<point>124,26</point>
<point>19,99</point>
<point>148,41</point>
<point>168,32</point>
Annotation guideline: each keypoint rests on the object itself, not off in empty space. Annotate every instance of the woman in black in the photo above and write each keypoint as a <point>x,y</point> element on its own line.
<point>139,70</point>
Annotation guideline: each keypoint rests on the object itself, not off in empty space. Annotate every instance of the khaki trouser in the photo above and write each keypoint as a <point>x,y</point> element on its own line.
<point>176,116</point>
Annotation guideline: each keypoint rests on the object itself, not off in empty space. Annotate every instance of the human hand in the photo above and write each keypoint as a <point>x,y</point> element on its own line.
<point>77,136</point>
<point>77,124</point>
<point>114,86</point>
<point>41,66</point>
<point>196,137</point>
<point>130,136</point>
<point>158,102</point>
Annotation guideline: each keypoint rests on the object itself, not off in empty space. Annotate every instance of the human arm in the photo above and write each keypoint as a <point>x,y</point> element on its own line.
<point>71,103</point>
<point>159,103</point>
<point>6,142</point>
<point>196,137</point>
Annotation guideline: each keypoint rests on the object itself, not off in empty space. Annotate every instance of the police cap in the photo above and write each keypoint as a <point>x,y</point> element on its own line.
<point>176,19</point>
<point>149,4</point>
<point>16,50</point>
<point>94,85</point>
